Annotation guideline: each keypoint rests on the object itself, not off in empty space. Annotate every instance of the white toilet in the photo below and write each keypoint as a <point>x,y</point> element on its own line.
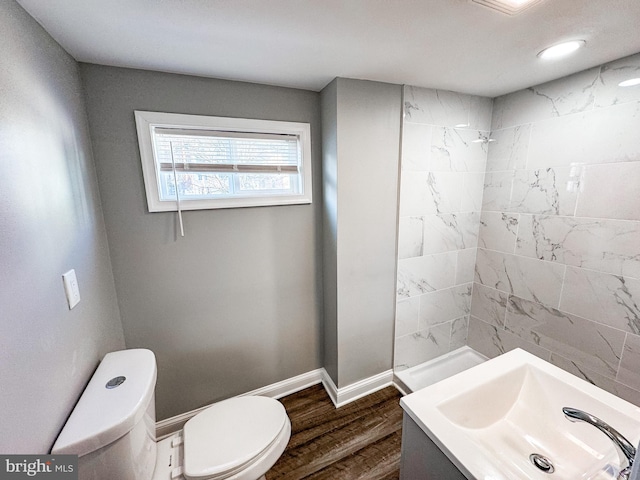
<point>112,430</point>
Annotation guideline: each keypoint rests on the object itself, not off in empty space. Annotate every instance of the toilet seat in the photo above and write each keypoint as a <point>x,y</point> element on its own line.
<point>228,437</point>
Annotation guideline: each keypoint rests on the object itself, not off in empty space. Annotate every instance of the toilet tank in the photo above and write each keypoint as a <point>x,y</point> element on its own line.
<point>112,427</point>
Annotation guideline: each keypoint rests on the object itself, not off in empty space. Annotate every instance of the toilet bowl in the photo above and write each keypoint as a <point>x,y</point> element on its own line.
<point>112,430</point>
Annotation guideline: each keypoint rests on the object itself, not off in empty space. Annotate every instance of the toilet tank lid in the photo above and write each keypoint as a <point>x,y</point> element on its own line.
<point>102,415</point>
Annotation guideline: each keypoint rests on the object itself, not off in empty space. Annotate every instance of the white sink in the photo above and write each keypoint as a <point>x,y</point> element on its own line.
<point>489,419</point>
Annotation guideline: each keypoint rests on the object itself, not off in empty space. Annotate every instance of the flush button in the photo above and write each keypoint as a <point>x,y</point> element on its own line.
<point>115,382</point>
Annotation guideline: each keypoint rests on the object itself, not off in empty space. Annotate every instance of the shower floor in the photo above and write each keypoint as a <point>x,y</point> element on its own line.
<point>445,366</point>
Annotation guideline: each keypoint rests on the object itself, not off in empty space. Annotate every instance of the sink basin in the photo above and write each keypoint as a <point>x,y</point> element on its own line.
<point>489,419</point>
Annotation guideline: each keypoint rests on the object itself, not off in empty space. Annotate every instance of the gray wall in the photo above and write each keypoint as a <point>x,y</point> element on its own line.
<point>329,108</point>
<point>558,271</point>
<point>50,222</point>
<point>236,304</point>
<point>362,155</point>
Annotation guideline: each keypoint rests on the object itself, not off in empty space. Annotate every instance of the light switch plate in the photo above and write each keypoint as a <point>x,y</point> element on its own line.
<point>71,288</point>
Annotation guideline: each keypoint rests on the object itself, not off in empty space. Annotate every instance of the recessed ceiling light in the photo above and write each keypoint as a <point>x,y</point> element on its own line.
<point>561,49</point>
<point>510,7</point>
<point>632,82</point>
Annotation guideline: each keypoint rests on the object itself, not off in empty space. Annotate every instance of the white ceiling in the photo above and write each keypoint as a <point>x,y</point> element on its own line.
<point>449,44</point>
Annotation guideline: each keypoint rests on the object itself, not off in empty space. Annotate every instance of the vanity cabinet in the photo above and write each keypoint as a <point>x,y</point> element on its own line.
<point>421,459</point>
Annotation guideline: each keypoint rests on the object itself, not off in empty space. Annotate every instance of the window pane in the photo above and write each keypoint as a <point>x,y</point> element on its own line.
<point>267,183</point>
<point>195,185</point>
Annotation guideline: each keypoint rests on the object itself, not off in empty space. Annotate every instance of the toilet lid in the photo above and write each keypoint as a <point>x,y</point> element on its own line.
<point>229,434</point>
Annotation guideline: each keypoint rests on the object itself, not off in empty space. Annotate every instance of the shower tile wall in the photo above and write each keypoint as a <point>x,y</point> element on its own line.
<point>440,200</point>
<point>558,263</point>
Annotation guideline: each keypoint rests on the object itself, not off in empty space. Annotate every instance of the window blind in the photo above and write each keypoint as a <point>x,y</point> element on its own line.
<point>203,151</point>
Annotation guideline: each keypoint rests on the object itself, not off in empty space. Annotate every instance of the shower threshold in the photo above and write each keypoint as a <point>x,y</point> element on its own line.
<point>439,368</point>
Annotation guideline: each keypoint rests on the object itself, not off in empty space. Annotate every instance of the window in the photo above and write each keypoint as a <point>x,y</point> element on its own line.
<point>192,162</point>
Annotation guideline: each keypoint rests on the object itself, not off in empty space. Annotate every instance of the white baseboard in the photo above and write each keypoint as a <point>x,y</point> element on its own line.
<point>344,395</point>
<point>339,396</point>
<point>166,427</point>
<point>289,386</point>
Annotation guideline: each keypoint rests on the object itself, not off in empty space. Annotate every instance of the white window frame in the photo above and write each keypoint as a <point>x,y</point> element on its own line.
<point>146,122</point>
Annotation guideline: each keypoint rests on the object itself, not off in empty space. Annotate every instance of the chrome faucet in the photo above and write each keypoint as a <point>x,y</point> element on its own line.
<point>616,437</point>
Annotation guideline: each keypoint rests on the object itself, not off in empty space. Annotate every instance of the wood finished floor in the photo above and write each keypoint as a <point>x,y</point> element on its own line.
<point>356,442</point>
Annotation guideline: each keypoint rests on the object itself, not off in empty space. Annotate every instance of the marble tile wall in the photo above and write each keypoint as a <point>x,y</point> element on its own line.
<point>442,177</point>
<point>558,261</point>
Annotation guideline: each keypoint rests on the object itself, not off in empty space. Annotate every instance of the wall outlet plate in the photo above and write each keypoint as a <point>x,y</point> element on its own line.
<point>71,288</point>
